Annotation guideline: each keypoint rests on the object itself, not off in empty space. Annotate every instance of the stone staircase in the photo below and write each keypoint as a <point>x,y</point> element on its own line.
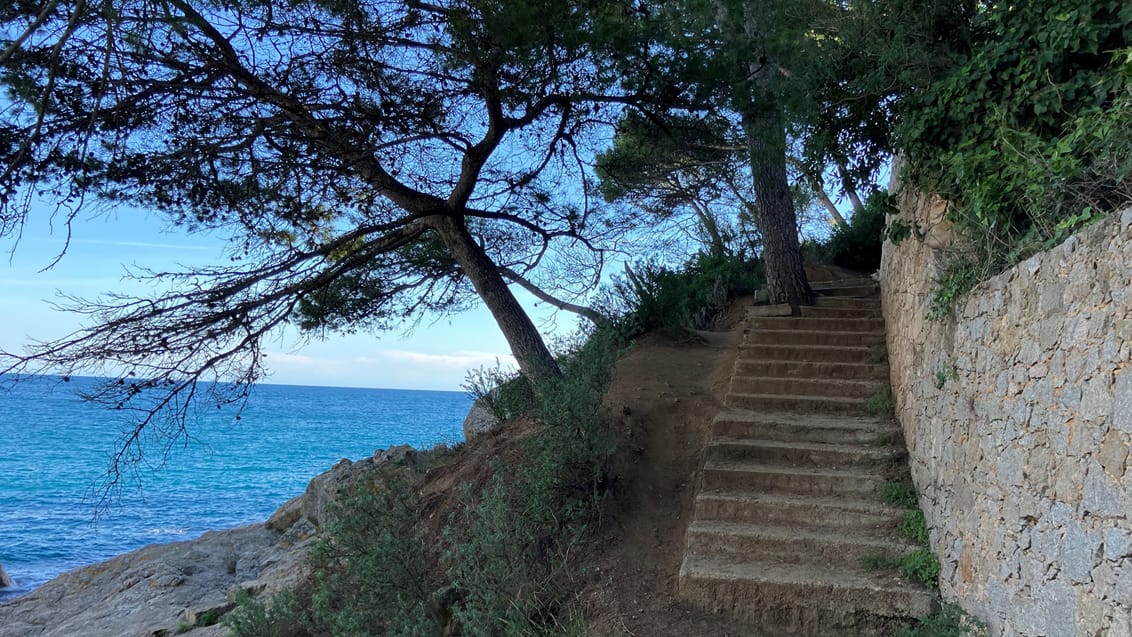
<point>789,501</point>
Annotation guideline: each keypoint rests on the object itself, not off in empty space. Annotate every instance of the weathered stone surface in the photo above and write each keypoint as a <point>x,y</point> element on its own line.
<point>5,581</point>
<point>1023,459</point>
<point>479,420</point>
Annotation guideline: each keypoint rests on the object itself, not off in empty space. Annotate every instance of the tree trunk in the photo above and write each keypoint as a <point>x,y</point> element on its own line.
<point>527,345</point>
<point>766,137</point>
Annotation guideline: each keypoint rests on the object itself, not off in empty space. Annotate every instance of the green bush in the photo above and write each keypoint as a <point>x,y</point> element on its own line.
<point>915,527</point>
<point>280,617</point>
<point>371,573</point>
<point>508,547</point>
<point>901,494</point>
<point>949,621</point>
<point>655,296</point>
<point>858,246</point>
<point>1029,134</point>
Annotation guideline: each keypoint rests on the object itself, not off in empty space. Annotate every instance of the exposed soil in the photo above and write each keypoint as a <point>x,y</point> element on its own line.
<point>666,392</point>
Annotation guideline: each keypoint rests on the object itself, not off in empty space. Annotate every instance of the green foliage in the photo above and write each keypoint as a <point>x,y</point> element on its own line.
<point>858,245</point>
<point>505,392</point>
<point>918,566</point>
<point>915,527</point>
<point>509,547</point>
<point>692,297</point>
<point>278,618</point>
<point>371,571</point>
<point>949,621</point>
<point>504,556</point>
<point>921,566</point>
<point>945,373</point>
<point>882,403</point>
<point>901,494</point>
<point>1029,135</point>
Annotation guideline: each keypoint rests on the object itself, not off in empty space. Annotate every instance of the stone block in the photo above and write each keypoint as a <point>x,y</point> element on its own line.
<point>1117,544</point>
<point>1100,496</point>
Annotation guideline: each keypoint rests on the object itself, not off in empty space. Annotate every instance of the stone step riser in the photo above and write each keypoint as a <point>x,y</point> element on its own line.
<point>809,355</point>
<point>809,337</point>
<point>789,482</point>
<point>864,458</point>
<point>768,402</point>
<point>842,283</point>
<point>814,311</point>
<point>800,369</point>
<point>823,324</point>
<point>778,608</point>
<point>787,432</point>
<point>870,303</point>
<point>800,514</point>
<point>797,550</point>
<point>856,292</point>
<point>809,387</point>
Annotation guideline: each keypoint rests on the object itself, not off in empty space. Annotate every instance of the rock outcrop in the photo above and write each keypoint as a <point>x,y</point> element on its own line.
<point>167,589</point>
<point>5,581</point>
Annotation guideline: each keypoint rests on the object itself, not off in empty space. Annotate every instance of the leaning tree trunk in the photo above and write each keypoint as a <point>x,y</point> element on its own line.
<point>535,360</point>
<point>774,204</point>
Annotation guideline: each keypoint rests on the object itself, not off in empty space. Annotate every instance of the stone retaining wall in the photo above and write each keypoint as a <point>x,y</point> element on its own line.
<point>1018,416</point>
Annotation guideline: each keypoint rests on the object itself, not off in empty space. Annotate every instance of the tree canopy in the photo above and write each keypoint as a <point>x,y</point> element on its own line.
<point>373,159</point>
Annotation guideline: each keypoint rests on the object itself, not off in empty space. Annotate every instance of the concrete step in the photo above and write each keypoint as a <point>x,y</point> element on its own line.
<point>794,427</point>
<point>802,369</point>
<point>852,291</point>
<point>816,324</point>
<point>811,387</point>
<point>798,511</point>
<point>782,543</point>
<point>822,311</point>
<point>865,303</point>
<point>809,353</point>
<point>771,478</point>
<point>863,281</point>
<point>785,402</point>
<point>810,454</point>
<point>813,337</point>
<point>794,599</point>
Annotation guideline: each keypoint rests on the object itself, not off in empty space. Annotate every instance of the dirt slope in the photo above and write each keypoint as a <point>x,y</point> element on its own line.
<point>666,391</point>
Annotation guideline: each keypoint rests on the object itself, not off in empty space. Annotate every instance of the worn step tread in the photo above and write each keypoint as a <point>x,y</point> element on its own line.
<point>879,592</point>
<point>830,370</point>
<point>784,500</point>
<point>883,541</point>
<point>836,324</point>
<point>880,453</point>
<point>849,402</point>
<point>881,425</point>
<point>740,466</point>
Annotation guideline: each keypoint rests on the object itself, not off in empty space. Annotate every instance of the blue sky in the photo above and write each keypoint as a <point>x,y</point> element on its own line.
<point>436,355</point>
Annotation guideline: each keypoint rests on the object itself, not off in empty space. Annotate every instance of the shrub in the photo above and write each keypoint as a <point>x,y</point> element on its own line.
<point>655,296</point>
<point>858,245</point>
<point>949,621</point>
<point>371,573</point>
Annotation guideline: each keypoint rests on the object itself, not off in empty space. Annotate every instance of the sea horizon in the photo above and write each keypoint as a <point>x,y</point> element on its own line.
<point>230,473</point>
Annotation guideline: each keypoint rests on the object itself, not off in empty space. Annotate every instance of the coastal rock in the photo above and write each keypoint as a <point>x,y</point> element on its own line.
<point>5,581</point>
<point>149,590</point>
<point>480,420</point>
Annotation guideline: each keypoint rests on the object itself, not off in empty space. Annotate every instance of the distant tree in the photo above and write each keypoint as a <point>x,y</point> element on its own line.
<point>373,158</point>
<point>679,167</point>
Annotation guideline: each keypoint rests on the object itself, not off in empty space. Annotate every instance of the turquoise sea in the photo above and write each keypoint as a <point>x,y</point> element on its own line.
<point>54,446</point>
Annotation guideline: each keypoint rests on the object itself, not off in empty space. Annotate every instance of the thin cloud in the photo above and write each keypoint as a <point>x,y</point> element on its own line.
<point>461,360</point>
